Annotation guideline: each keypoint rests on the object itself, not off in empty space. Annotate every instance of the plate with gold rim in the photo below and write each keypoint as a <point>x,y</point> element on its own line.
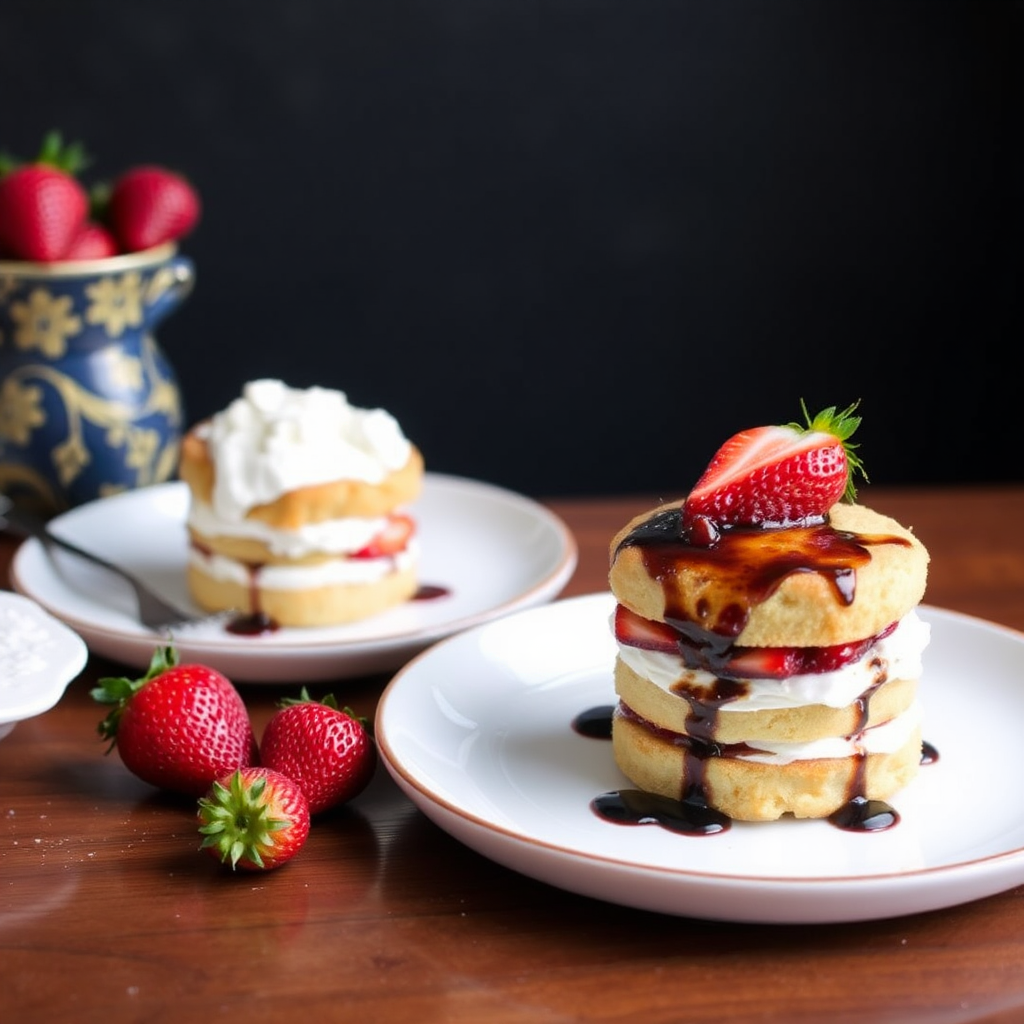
<point>486,551</point>
<point>478,732</point>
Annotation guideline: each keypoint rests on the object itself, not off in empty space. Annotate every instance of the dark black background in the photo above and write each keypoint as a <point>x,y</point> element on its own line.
<point>573,245</point>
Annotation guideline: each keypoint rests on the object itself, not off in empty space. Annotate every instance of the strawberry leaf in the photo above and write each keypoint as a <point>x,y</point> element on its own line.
<point>842,425</point>
<point>257,819</point>
<point>71,159</point>
<point>119,690</point>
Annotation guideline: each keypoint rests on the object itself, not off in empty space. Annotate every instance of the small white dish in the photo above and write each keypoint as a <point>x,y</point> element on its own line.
<point>478,732</point>
<point>492,552</point>
<point>39,656</point>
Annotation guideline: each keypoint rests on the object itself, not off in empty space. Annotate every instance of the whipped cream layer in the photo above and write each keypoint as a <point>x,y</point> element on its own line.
<point>886,738</point>
<point>330,537</point>
<point>896,656</point>
<point>274,439</point>
<point>331,573</point>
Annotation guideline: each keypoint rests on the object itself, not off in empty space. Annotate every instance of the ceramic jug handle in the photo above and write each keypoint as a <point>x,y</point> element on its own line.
<point>183,278</point>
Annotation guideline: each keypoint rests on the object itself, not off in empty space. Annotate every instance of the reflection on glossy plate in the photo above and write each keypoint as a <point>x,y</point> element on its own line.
<point>492,550</point>
<point>477,732</point>
<point>39,656</point>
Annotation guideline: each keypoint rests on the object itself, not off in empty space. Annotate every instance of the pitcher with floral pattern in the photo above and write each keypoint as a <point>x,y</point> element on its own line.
<point>89,404</point>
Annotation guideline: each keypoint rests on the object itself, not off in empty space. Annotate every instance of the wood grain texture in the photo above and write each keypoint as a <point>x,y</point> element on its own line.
<point>108,913</point>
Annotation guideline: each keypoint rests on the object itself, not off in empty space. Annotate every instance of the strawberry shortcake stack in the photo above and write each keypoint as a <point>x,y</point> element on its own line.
<point>298,511</point>
<point>769,647</point>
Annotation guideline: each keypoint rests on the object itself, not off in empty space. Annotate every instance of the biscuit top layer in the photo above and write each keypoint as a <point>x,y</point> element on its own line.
<point>289,456</point>
<point>812,586</point>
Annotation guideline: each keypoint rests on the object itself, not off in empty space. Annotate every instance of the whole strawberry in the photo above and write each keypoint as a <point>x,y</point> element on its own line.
<point>151,205</point>
<point>179,727</point>
<point>255,819</point>
<point>776,476</point>
<point>93,242</point>
<point>328,751</point>
<point>43,207</point>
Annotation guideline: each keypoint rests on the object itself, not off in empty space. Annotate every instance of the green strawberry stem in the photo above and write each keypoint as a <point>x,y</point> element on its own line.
<point>329,701</point>
<point>72,159</point>
<point>236,820</point>
<point>118,690</point>
<point>842,426</point>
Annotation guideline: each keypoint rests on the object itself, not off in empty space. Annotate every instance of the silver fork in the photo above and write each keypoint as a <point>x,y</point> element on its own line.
<point>154,611</point>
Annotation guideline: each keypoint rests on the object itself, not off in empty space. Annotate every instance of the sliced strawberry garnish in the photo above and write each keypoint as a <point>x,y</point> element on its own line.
<point>776,476</point>
<point>392,539</point>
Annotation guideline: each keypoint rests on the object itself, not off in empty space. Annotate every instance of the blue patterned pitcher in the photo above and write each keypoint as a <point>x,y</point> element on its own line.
<point>89,404</point>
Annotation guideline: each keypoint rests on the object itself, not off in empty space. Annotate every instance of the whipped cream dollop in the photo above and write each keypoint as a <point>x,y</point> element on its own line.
<point>896,656</point>
<point>275,438</point>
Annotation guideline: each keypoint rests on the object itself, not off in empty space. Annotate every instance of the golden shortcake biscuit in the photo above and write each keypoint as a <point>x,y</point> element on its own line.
<point>314,503</point>
<point>815,597</point>
<point>747,790</point>
<point>313,606</point>
<point>298,511</point>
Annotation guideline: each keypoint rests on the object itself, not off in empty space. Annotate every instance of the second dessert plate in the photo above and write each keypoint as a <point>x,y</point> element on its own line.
<point>485,552</point>
<point>482,732</point>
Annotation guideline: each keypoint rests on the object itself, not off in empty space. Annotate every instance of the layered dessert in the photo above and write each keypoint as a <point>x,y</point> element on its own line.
<point>299,507</point>
<point>769,646</point>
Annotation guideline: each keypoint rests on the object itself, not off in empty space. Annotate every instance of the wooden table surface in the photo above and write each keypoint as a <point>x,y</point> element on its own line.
<point>108,912</point>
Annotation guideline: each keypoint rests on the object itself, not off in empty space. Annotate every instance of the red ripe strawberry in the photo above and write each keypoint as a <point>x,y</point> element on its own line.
<point>42,204</point>
<point>151,205</point>
<point>329,752</point>
<point>392,539</point>
<point>42,209</point>
<point>255,819</point>
<point>180,727</point>
<point>776,476</point>
<point>93,242</point>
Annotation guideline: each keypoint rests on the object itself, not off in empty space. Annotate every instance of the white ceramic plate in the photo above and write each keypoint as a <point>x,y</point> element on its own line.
<point>39,656</point>
<point>492,550</point>
<point>478,733</point>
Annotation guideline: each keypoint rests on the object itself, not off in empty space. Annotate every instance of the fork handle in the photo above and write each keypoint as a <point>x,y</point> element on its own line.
<point>32,526</point>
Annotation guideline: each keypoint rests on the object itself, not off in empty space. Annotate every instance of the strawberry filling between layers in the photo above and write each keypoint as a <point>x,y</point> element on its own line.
<point>352,536</point>
<point>896,653</point>
<point>731,661</point>
<point>350,550</point>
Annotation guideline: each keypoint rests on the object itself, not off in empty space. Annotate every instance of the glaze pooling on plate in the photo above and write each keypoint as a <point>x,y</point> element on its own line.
<point>39,656</point>
<point>479,732</point>
<point>488,551</point>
